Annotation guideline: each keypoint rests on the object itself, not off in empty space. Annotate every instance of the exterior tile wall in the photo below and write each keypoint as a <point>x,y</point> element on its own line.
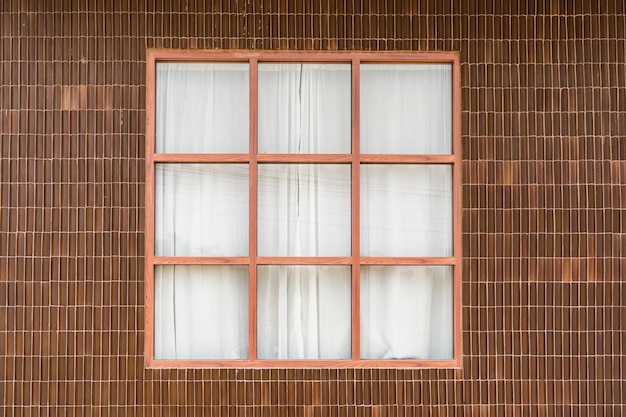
<point>544,207</point>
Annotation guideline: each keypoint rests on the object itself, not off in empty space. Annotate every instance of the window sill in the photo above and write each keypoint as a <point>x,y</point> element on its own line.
<point>298,364</point>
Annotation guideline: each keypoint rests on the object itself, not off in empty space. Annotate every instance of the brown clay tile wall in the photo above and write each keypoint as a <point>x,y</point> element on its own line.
<point>544,207</point>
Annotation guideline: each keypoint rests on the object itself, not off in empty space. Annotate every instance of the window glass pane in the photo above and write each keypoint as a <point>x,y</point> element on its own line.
<point>201,210</point>
<point>201,312</point>
<point>406,312</point>
<point>304,108</point>
<point>304,210</point>
<point>406,108</point>
<point>202,108</point>
<point>406,210</point>
<point>304,312</point>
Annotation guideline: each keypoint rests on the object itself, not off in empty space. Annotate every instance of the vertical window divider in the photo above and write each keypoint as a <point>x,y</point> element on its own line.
<point>457,214</point>
<point>356,207</point>
<point>252,254</point>
<point>149,202</point>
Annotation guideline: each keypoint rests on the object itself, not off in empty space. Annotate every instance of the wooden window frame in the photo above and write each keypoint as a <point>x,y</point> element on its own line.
<point>355,159</point>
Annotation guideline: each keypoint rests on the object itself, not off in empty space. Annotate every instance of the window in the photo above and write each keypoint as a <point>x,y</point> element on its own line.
<point>303,209</point>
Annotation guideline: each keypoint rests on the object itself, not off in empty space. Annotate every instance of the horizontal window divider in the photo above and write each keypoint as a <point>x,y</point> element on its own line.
<point>406,159</point>
<point>228,56</point>
<point>305,158</point>
<point>377,260</point>
<point>313,363</point>
<point>363,260</point>
<point>347,158</point>
<point>301,260</point>
<point>199,158</point>
<point>200,260</point>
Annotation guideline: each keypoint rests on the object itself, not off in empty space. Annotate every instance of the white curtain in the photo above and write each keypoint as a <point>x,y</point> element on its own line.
<point>202,108</point>
<point>304,210</point>
<point>406,108</point>
<point>304,312</point>
<point>304,108</point>
<point>406,312</point>
<point>406,210</point>
<point>201,312</point>
<point>201,209</point>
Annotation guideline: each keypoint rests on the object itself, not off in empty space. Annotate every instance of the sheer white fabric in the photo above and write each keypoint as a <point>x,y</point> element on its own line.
<point>406,108</point>
<point>202,108</point>
<point>304,312</point>
<point>201,312</point>
<point>304,210</point>
<point>406,210</point>
<point>406,312</point>
<point>304,108</point>
<point>201,210</point>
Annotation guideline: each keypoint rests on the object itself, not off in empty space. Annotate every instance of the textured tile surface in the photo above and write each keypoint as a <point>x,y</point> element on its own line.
<point>544,207</point>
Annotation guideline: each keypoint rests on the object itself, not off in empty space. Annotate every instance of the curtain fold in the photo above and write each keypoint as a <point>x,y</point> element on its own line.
<point>406,108</point>
<point>201,312</point>
<point>201,209</point>
<point>304,108</point>
<point>304,312</point>
<point>406,210</point>
<point>406,312</point>
<point>304,210</point>
<point>202,108</point>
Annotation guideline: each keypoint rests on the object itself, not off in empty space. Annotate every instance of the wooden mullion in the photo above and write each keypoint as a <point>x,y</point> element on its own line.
<point>337,158</point>
<point>305,158</point>
<point>200,158</point>
<point>356,210</point>
<point>200,260</point>
<point>389,260</point>
<point>407,159</point>
<point>301,260</point>
<point>457,207</point>
<point>253,201</point>
<point>150,207</point>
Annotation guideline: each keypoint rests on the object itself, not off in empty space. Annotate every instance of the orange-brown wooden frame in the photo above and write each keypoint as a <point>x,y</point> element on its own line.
<point>253,158</point>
